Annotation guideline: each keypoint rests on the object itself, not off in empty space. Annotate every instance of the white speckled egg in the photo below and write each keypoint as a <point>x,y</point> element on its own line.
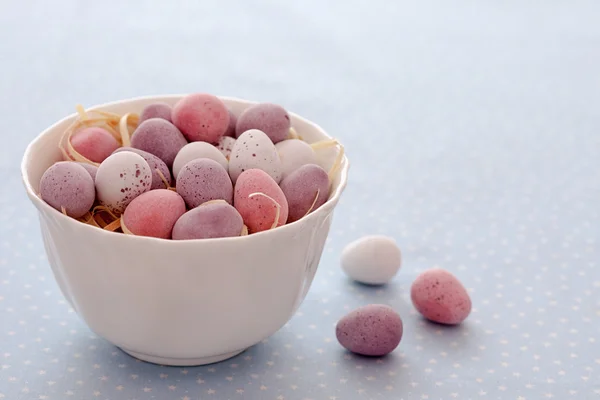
<point>195,150</point>
<point>225,145</point>
<point>121,178</point>
<point>293,154</point>
<point>254,150</point>
<point>373,260</point>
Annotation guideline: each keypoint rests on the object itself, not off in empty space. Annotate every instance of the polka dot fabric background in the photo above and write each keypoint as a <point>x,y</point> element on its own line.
<point>473,129</point>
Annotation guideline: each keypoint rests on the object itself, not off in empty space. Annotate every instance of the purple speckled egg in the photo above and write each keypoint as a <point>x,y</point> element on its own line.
<point>269,118</point>
<point>372,330</point>
<point>203,180</point>
<point>159,137</point>
<point>301,188</point>
<point>213,219</point>
<point>67,184</point>
<point>230,132</point>
<point>92,169</point>
<point>440,297</point>
<point>156,110</point>
<point>155,164</point>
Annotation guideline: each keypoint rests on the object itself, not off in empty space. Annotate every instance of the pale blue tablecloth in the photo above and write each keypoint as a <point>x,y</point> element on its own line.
<point>473,129</point>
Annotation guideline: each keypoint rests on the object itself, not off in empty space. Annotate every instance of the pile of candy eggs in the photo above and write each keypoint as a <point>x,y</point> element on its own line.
<point>376,329</point>
<point>192,171</point>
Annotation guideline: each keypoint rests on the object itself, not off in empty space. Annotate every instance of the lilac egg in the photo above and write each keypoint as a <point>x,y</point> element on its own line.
<point>92,169</point>
<point>156,110</point>
<point>213,219</point>
<point>269,118</point>
<point>301,188</point>
<point>155,164</point>
<point>202,180</point>
<point>159,137</point>
<point>372,330</point>
<point>68,185</point>
<point>230,132</point>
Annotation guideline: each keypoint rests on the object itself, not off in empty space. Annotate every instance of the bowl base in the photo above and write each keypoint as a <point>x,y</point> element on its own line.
<point>182,362</point>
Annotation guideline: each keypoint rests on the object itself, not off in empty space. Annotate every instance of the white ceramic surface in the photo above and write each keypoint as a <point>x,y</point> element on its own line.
<point>181,302</point>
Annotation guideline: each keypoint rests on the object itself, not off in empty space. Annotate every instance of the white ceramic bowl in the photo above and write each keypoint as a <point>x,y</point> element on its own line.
<point>180,302</point>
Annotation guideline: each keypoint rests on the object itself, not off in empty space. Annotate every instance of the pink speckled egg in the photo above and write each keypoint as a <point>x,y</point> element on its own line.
<point>121,178</point>
<point>203,180</point>
<point>269,118</point>
<point>258,211</point>
<point>156,164</point>
<point>372,330</point>
<point>440,297</point>
<point>201,117</point>
<point>159,137</point>
<point>94,143</point>
<point>154,213</point>
<point>67,184</point>
<point>213,219</point>
<point>156,110</point>
<point>301,188</point>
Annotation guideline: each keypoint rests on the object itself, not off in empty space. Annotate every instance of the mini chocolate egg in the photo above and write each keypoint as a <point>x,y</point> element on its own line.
<point>254,150</point>
<point>440,297</point>
<point>195,150</point>
<point>159,137</point>
<point>156,165</point>
<point>232,123</point>
<point>271,119</point>
<point>293,154</point>
<point>94,143</point>
<point>372,330</point>
<point>67,185</point>
<point>156,110</point>
<point>203,180</point>
<point>225,145</point>
<point>121,178</point>
<point>92,169</point>
<point>213,219</point>
<point>153,214</point>
<point>373,260</point>
<point>305,189</point>
<point>201,117</point>
<point>260,200</point>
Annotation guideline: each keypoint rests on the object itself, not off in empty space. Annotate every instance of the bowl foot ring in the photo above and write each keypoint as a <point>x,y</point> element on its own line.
<point>182,362</point>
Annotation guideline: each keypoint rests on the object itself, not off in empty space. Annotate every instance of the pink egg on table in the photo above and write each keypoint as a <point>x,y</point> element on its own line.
<point>269,118</point>
<point>153,213</point>
<point>156,165</point>
<point>250,199</point>
<point>201,117</point>
<point>156,110</point>
<point>305,189</point>
<point>213,219</point>
<point>94,143</point>
<point>372,330</point>
<point>202,180</point>
<point>159,137</point>
<point>68,185</point>
<point>440,297</point>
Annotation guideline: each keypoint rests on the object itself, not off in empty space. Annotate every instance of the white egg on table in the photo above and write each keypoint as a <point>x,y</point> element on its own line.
<point>293,154</point>
<point>373,260</point>
<point>121,178</point>
<point>195,150</point>
<point>254,150</point>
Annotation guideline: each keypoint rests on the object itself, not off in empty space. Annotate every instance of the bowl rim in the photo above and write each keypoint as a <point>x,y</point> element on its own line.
<point>326,208</point>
